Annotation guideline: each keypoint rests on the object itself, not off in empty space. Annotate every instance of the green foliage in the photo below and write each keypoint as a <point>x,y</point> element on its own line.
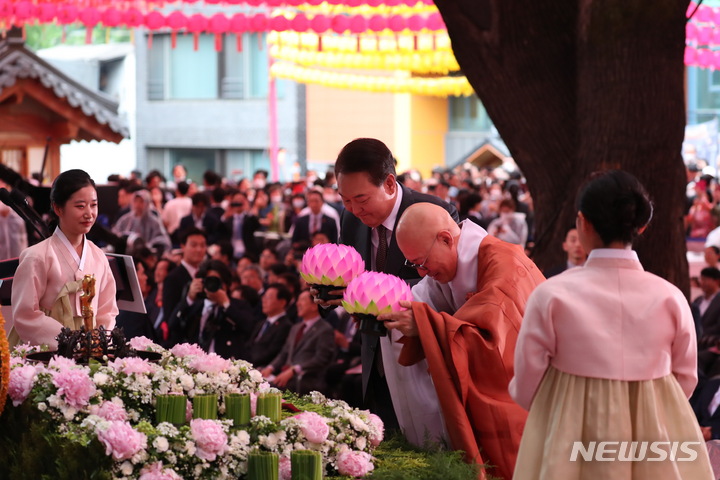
<point>32,450</point>
<point>45,36</point>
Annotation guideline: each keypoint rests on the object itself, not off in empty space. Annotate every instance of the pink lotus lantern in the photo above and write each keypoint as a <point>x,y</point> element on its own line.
<point>373,293</point>
<point>328,267</point>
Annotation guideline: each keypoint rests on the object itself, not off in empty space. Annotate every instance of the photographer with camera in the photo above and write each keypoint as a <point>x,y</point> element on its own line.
<point>208,315</point>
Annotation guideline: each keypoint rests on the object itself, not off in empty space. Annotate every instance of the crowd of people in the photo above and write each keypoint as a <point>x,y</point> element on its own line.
<point>218,265</point>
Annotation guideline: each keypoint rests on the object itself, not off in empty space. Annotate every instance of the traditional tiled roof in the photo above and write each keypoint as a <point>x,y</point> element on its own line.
<point>17,62</point>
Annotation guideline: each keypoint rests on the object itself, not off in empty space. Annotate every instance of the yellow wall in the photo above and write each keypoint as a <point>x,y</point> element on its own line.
<point>413,127</point>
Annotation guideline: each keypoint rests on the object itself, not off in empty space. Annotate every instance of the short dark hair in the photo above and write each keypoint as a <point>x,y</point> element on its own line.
<point>183,187</point>
<point>189,232</point>
<point>313,192</point>
<point>710,272</point>
<point>200,199</point>
<point>292,281</point>
<point>616,205</point>
<point>282,292</point>
<point>226,248</point>
<point>67,183</point>
<point>218,194</point>
<point>367,155</point>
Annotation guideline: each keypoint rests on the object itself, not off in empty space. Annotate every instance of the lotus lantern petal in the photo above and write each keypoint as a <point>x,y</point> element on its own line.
<point>331,264</point>
<point>375,293</point>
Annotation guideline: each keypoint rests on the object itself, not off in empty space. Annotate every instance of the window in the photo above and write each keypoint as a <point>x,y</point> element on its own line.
<point>233,164</point>
<point>243,163</point>
<point>183,73</point>
<point>468,114</point>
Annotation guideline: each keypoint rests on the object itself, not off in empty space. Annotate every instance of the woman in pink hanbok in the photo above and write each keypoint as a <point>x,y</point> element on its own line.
<point>46,287</point>
<point>606,357</point>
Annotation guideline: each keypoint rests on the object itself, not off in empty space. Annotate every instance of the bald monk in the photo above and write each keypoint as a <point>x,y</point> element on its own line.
<point>465,322</point>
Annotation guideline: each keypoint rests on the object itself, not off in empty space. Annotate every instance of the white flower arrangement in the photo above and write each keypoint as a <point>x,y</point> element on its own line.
<point>114,404</point>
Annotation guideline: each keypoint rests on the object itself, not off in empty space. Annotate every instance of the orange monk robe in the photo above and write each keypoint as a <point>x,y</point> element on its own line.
<point>470,356</point>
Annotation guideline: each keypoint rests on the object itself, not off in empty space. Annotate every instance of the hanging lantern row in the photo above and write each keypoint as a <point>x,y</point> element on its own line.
<point>149,5</point>
<point>702,57</point>
<point>219,23</point>
<point>429,86</point>
<point>402,42</point>
<point>422,63</point>
<point>703,14</point>
<point>701,35</point>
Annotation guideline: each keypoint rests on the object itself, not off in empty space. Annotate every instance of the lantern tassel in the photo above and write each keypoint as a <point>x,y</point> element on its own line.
<point>150,40</point>
<point>196,41</point>
<point>88,35</point>
<point>320,43</point>
<point>238,41</point>
<point>260,41</point>
<point>173,39</point>
<point>218,42</point>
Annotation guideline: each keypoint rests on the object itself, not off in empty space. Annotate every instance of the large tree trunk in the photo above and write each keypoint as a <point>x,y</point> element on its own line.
<point>575,86</point>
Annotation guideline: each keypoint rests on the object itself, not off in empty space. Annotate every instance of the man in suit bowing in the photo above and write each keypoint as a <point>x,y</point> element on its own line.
<point>309,350</point>
<point>374,201</point>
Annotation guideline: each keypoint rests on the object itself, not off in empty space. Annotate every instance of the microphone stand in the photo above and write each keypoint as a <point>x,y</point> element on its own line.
<point>21,207</point>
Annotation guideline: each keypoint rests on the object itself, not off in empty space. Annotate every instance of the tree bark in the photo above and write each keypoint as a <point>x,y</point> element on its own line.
<point>575,86</point>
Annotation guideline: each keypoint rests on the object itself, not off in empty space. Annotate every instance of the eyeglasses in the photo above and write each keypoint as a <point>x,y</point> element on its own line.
<point>421,266</point>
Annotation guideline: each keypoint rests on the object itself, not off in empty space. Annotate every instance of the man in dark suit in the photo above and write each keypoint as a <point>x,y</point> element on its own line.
<point>374,202</point>
<point>705,403</point>
<point>194,249</point>
<point>269,336</point>
<point>239,226</point>
<point>201,217</point>
<point>706,313</point>
<point>209,317</point>
<point>316,221</point>
<point>309,349</point>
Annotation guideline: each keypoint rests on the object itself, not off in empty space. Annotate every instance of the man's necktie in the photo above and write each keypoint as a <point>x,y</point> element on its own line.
<point>263,329</point>
<point>210,328</point>
<point>299,334</point>
<point>381,254</point>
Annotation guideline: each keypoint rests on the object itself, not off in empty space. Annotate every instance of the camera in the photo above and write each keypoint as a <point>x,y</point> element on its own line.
<point>212,284</point>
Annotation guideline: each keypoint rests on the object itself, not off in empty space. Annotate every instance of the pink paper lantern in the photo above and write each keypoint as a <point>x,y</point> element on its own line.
<point>396,23</point>
<point>340,24</point>
<point>133,17</point>
<point>279,23</point>
<point>377,23</point>
<point>416,23</point>
<point>691,31</point>
<point>239,23</point>
<point>690,56</point>
<point>6,9</point>
<point>197,23</point>
<point>375,293</point>
<point>314,2</point>
<point>331,264</point>
<point>392,3</point>
<point>319,23</point>
<point>300,23</point>
<point>704,14</point>
<point>218,24</point>
<point>67,14</point>
<point>704,35</point>
<point>353,3</point>
<point>23,11</point>
<point>154,20</point>
<point>90,16</point>
<point>111,17</point>
<point>716,60</point>
<point>46,12</point>
<point>295,3</point>
<point>435,22</point>
<point>358,24</point>
<point>705,57</point>
<point>374,3</point>
<point>258,22</point>
<point>716,37</point>
<point>273,3</point>
<point>176,20</point>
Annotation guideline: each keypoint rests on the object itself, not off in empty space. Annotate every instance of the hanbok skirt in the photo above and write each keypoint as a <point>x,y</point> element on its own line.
<point>648,429</point>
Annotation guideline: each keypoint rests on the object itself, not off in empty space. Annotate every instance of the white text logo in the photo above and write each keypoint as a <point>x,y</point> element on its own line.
<point>634,451</point>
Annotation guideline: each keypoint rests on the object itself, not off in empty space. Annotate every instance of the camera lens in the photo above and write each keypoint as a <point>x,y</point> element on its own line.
<point>212,284</point>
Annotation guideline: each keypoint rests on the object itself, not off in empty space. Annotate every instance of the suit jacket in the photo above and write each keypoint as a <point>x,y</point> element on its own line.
<point>210,225</point>
<point>262,351</point>
<point>354,232</point>
<point>302,228</point>
<point>314,353</point>
<point>250,225</point>
<point>231,328</point>
<point>701,405</point>
<point>708,324</point>
<point>173,291</point>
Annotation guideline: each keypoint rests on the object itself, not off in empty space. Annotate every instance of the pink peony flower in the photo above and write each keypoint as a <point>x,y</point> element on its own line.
<point>186,349</point>
<point>155,471</point>
<point>210,438</point>
<point>21,383</point>
<point>74,386</point>
<point>313,427</point>
<point>210,363</point>
<point>132,365</point>
<point>121,440</point>
<point>353,463</point>
<point>377,430</point>
<point>141,343</point>
<point>61,363</point>
<point>109,411</point>
<point>285,468</point>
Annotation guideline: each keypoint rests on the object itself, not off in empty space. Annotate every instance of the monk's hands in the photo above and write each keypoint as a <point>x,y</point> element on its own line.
<point>403,321</point>
<point>327,303</point>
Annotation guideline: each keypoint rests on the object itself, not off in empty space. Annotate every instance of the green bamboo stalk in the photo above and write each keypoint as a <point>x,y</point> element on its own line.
<point>205,406</point>
<point>268,404</point>
<point>263,466</point>
<point>170,408</point>
<point>237,407</point>
<point>306,465</point>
